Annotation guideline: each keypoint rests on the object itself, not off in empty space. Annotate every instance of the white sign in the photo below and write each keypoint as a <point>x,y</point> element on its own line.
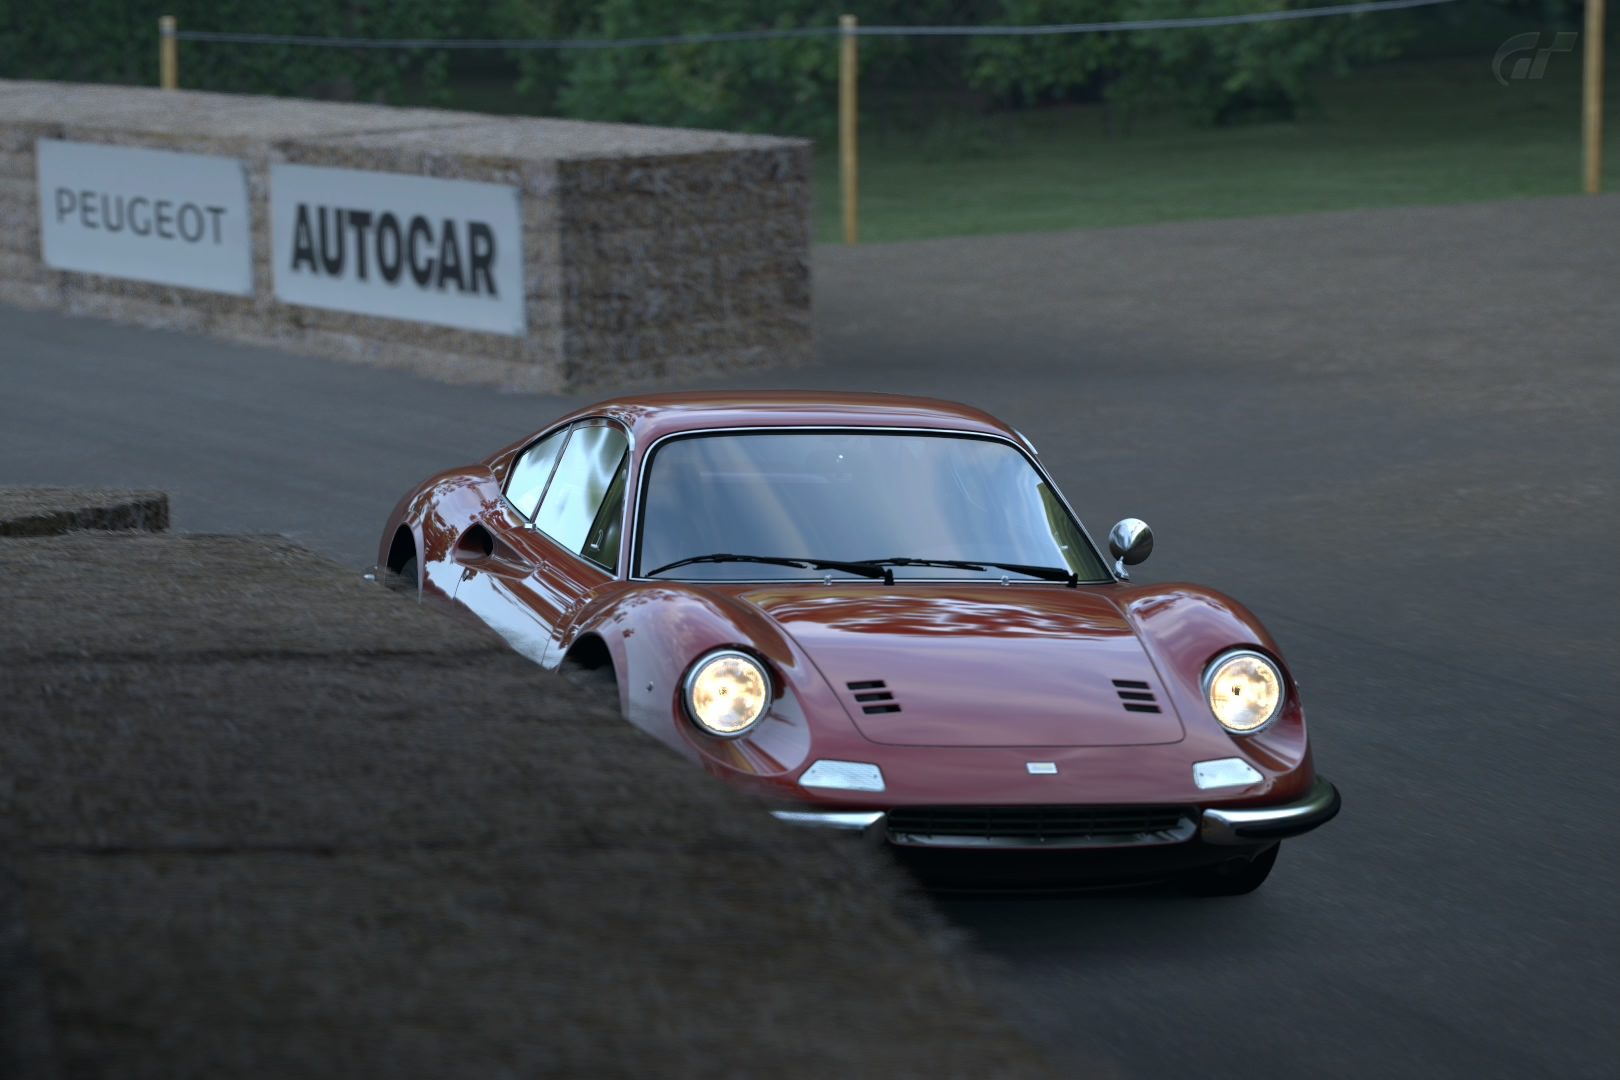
<point>448,252</point>
<point>150,215</point>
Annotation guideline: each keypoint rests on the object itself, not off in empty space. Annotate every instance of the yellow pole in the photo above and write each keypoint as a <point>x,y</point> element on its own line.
<point>1592,114</point>
<point>168,54</point>
<point>848,157</point>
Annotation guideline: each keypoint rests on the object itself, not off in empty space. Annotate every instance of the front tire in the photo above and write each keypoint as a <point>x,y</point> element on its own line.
<point>1237,877</point>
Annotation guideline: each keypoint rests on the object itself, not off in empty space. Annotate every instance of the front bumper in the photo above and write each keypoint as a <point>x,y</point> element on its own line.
<point>1267,824</point>
<point>1251,825</point>
<point>844,820</point>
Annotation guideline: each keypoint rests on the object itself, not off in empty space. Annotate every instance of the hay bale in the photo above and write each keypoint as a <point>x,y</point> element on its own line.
<point>52,511</point>
<point>27,1050</point>
<point>629,233</point>
<point>270,819</point>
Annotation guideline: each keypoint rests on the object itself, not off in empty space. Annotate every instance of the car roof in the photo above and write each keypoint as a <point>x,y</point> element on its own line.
<point>652,416</point>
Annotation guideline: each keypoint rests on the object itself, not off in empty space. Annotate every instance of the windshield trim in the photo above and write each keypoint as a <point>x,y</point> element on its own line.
<point>634,572</point>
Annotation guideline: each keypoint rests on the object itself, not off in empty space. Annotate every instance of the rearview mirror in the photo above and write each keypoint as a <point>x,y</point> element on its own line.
<point>1130,541</point>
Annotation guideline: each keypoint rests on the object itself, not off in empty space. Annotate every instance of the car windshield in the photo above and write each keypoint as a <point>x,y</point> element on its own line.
<point>853,496</point>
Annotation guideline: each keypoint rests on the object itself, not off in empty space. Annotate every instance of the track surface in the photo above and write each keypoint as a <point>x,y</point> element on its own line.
<point>1393,434</point>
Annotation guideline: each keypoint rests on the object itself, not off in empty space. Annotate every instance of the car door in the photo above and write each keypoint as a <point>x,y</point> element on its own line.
<point>499,562</point>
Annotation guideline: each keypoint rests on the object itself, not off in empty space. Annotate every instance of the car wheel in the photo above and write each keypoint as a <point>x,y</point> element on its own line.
<point>1235,877</point>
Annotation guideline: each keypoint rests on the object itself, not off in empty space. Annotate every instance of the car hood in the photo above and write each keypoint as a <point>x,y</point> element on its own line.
<point>973,665</point>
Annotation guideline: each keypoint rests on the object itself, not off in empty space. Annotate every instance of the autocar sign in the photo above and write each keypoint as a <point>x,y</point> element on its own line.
<point>447,252</point>
<point>149,215</point>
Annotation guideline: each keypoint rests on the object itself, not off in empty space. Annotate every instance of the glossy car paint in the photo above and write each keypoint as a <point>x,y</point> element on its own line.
<point>989,676</point>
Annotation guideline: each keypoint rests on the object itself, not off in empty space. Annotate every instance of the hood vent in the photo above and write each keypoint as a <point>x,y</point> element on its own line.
<point>873,697</point>
<point>1135,696</point>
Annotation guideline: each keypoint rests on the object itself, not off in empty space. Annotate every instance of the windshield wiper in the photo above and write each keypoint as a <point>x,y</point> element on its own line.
<point>866,569</point>
<point>1044,573</point>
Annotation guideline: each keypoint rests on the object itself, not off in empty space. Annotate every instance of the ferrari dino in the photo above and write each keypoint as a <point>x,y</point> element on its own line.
<point>879,614</point>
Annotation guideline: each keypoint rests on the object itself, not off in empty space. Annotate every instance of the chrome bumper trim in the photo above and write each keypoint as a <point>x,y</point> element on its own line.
<point>1259,824</point>
<point>848,820</point>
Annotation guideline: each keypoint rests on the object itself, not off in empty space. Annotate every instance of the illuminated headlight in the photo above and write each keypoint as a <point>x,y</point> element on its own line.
<point>1244,691</point>
<point>727,693</point>
<point>847,775</point>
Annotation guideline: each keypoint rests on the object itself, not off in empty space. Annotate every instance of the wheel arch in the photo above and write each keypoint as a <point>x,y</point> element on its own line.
<point>589,652</point>
<point>402,549</point>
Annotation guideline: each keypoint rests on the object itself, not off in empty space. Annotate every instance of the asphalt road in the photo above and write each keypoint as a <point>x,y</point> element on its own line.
<point>1395,434</point>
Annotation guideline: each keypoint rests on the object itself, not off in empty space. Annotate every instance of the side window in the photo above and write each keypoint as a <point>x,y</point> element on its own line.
<point>531,471</point>
<point>602,542</point>
<point>581,483</point>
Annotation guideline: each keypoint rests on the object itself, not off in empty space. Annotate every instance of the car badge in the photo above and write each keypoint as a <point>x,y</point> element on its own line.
<point>1041,768</point>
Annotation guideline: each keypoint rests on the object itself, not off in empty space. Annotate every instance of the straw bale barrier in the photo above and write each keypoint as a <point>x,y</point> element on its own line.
<point>645,252</point>
<point>259,817</point>
<point>51,511</point>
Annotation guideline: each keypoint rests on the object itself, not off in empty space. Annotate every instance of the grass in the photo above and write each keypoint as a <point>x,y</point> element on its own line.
<point>1417,132</point>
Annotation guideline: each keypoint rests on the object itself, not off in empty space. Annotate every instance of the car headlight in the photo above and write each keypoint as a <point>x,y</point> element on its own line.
<point>1244,690</point>
<point>727,692</point>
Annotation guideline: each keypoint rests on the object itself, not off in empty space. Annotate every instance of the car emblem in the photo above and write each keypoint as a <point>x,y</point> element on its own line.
<point>1041,768</point>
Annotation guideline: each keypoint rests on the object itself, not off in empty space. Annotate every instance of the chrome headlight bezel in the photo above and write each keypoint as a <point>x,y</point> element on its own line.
<point>696,671</point>
<point>1212,671</point>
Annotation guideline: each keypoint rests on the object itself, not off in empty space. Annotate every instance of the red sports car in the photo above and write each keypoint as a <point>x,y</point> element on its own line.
<point>879,614</point>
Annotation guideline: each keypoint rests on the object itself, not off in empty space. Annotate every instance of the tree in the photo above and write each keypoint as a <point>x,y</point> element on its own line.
<point>1217,74</point>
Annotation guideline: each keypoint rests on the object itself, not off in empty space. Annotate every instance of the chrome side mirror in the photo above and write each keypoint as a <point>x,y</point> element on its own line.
<point>1130,541</point>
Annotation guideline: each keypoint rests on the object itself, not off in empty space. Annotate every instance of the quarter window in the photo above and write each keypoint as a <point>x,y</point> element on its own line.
<point>531,471</point>
<point>580,487</point>
<point>602,542</point>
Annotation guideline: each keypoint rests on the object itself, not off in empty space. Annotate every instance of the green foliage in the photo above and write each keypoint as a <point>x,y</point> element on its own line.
<point>779,85</point>
<point>117,41</point>
<point>757,86</point>
<point>1551,12</point>
<point>1217,74</point>
<point>1031,70</point>
<point>540,73</point>
<point>784,85</point>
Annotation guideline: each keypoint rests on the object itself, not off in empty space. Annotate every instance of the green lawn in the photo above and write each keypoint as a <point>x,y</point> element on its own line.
<point>1431,131</point>
<point>1438,130</point>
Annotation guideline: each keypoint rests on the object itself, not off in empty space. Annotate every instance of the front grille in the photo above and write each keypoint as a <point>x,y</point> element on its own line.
<point>1058,826</point>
